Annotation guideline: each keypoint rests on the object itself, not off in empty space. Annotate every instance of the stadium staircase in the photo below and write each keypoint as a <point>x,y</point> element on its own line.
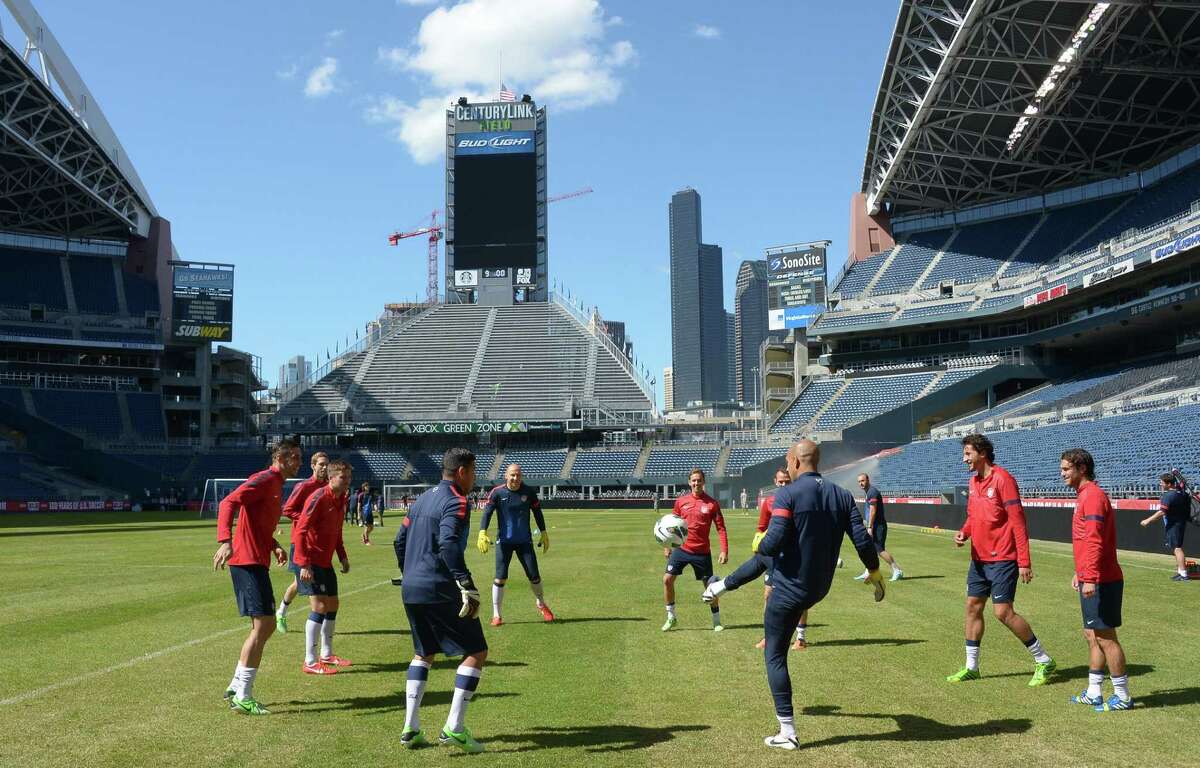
<point>932,386</point>
<point>870,286</point>
<point>639,469</point>
<point>1086,236</point>
<point>1019,249</point>
<point>495,469</point>
<point>723,461</point>
<point>127,430</point>
<point>936,258</point>
<point>828,404</point>
<point>68,285</point>
<point>568,465</point>
<point>480,353</point>
<point>118,278</point>
<point>589,384</point>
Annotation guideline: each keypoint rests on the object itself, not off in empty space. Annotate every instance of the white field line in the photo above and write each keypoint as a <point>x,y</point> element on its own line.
<point>38,692</point>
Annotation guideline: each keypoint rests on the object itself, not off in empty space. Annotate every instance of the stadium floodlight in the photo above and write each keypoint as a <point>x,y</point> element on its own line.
<point>1068,57</point>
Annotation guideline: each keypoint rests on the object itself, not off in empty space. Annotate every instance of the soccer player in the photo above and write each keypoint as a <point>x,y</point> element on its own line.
<point>1098,580</point>
<point>764,519</point>
<point>318,537</point>
<point>514,501</point>
<point>366,509</point>
<point>247,550</point>
<point>292,510</point>
<point>877,526</point>
<point>1175,508</point>
<point>700,511</point>
<point>999,554</point>
<point>808,520</point>
<point>440,597</point>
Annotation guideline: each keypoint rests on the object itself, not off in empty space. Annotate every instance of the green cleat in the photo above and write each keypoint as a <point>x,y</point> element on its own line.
<point>464,741</point>
<point>1041,672</point>
<point>248,706</point>
<point>228,695</point>
<point>963,675</point>
<point>669,623</point>
<point>411,738</point>
<point>281,624</point>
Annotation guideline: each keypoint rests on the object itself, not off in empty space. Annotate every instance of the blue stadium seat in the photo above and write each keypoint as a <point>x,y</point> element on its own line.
<point>869,396</point>
<point>615,463</point>
<point>978,250</point>
<point>677,462</point>
<point>908,264</point>
<point>1063,226</point>
<point>94,283</point>
<point>536,464</point>
<point>94,413</point>
<point>146,413</point>
<point>30,277</point>
<point>141,295</point>
<point>846,320</point>
<point>806,405</point>
<point>928,310</point>
<point>859,274</point>
<point>740,458</point>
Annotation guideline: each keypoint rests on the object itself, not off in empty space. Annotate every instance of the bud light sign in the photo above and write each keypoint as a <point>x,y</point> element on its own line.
<point>499,143</point>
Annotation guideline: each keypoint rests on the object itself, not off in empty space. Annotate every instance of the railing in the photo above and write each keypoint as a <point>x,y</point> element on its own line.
<point>627,364</point>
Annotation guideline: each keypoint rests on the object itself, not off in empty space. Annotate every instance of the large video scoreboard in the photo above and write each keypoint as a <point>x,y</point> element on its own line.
<point>201,302</point>
<point>796,284</point>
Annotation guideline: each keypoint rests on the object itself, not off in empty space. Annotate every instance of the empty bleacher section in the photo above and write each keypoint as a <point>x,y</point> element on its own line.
<point>29,277</point>
<point>740,458</point>
<point>1157,202</point>
<point>677,462</point>
<point>859,274</point>
<point>831,320</point>
<point>146,416</point>
<point>324,396</point>
<point>1061,229</point>
<point>978,251</point>
<point>36,331</point>
<point>537,464</point>
<point>14,484</point>
<point>533,360</point>
<point>93,413</point>
<point>232,465</point>
<point>141,295</point>
<point>120,337</point>
<point>616,463</point>
<point>805,406</point>
<point>932,310</point>
<point>908,264</point>
<point>870,396</point>
<point>94,284</point>
<point>384,466</point>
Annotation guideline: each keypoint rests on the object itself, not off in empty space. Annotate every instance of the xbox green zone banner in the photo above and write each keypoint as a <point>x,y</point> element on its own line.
<point>472,427</point>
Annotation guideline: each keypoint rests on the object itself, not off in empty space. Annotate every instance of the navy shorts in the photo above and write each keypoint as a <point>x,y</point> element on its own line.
<point>997,580</point>
<point>252,588</point>
<point>1173,534</point>
<point>767,564</point>
<point>436,628</point>
<point>368,518</point>
<point>701,564</point>
<point>1103,609</point>
<point>323,584</point>
<point>291,566</point>
<point>525,554</point>
<point>879,537</point>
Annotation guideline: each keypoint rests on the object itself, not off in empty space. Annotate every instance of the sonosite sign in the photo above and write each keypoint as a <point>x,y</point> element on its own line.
<point>796,284</point>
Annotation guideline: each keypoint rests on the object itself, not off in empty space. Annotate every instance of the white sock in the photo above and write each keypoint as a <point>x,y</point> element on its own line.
<point>800,629</point>
<point>716,618</point>
<point>538,593</point>
<point>1182,572</point>
<point>1121,686</point>
<point>895,567</point>
<point>235,684</point>
<point>327,634</point>
<point>787,727</point>
<point>247,682</point>
<point>973,655</point>
<point>283,606</point>
<point>312,631</point>
<point>1095,678</point>
<point>1035,647</point>
<point>671,610</point>
<point>497,599</point>
<point>418,676</point>
<point>466,680</point>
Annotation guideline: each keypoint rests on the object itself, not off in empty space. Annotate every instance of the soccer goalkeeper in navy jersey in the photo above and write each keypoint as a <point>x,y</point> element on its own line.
<point>513,502</point>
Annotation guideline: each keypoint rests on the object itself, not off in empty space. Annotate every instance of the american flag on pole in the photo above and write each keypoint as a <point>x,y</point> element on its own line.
<point>505,94</point>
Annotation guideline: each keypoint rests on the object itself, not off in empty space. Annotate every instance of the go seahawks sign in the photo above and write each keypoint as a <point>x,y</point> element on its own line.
<point>494,143</point>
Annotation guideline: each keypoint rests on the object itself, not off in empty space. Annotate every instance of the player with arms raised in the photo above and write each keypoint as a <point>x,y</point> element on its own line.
<point>700,511</point>
<point>248,550</point>
<point>999,540</point>
<point>513,502</point>
<point>440,597</point>
<point>318,537</point>
<point>292,510</point>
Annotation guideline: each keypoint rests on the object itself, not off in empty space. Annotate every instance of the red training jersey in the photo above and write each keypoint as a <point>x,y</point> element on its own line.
<point>319,531</point>
<point>295,503</point>
<point>764,512</point>
<point>700,513</point>
<point>995,520</point>
<point>259,501</point>
<point>1094,537</point>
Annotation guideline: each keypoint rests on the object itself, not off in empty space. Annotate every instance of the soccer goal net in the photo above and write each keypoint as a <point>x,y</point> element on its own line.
<point>217,488</point>
<point>396,498</point>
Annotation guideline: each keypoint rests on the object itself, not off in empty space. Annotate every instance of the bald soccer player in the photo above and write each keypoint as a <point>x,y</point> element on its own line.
<point>513,502</point>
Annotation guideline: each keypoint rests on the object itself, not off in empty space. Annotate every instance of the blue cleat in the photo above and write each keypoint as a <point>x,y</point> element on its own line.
<point>1114,704</point>
<point>1082,698</point>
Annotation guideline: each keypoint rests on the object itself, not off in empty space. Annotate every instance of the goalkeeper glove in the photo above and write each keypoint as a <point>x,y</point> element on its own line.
<point>483,543</point>
<point>758,537</point>
<point>875,579</point>
<point>713,590</point>
<point>544,541</point>
<point>470,600</point>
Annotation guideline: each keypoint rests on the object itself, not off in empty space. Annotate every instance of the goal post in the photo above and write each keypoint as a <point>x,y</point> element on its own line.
<point>217,488</point>
<point>394,496</point>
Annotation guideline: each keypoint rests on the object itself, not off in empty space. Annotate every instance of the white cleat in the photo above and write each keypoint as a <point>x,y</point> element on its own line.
<point>840,563</point>
<point>897,575</point>
<point>862,576</point>
<point>778,741</point>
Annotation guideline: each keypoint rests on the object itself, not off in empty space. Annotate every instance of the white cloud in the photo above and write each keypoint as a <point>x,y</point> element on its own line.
<point>288,72</point>
<point>614,21</point>
<point>707,31</point>
<point>320,80</point>
<point>334,36</point>
<point>554,50</point>
<point>416,2</point>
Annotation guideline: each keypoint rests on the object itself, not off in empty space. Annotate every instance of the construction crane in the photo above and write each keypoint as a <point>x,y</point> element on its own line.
<point>435,232</point>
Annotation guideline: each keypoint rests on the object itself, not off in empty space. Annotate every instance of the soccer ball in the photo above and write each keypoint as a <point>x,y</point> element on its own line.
<point>670,530</point>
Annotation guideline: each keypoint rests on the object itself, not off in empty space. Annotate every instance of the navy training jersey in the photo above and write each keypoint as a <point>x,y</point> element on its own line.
<point>809,517</point>
<point>874,495</point>
<point>513,509</point>
<point>431,543</point>
<point>1176,506</point>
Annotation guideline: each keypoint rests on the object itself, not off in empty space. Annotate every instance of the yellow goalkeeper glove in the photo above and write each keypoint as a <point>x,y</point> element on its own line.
<point>758,537</point>
<point>875,579</point>
<point>483,543</point>
<point>544,542</point>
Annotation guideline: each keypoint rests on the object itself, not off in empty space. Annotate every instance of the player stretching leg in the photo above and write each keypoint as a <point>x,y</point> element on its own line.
<point>514,501</point>
<point>764,519</point>
<point>318,536</point>
<point>247,550</point>
<point>1098,579</point>
<point>292,510</point>
<point>808,520</point>
<point>440,598</point>
<point>999,553</point>
<point>877,526</point>
<point>700,511</point>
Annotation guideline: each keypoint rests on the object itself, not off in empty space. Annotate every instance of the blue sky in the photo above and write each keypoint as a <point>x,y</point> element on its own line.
<point>290,138</point>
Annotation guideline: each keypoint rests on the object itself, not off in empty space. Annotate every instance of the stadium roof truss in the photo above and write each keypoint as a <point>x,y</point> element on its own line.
<point>1105,89</point>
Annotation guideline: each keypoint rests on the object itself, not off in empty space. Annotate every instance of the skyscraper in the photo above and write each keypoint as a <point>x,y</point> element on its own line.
<point>730,369</point>
<point>668,390</point>
<point>750,310</point>
<point>698,326</point>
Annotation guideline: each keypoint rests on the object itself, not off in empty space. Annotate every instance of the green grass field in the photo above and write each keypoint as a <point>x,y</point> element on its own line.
<point>119,639</point>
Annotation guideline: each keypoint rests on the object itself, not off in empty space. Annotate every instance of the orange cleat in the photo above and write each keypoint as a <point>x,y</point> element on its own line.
<point>319,669</point>
<point>497,621</point>
<point>547,614</point>
<point>761,644</point>
<point>335,661</point>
